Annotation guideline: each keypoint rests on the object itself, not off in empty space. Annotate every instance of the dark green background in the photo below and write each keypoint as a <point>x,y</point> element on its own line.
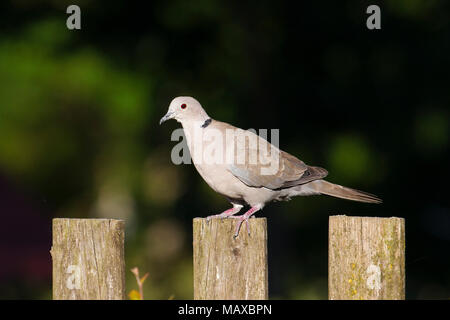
<point>79,133</point>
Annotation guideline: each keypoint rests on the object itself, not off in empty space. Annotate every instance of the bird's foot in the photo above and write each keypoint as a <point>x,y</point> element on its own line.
<point>241,220</point>
<point>244,218</point>
<point>218,216</point>
<point>226,214</point>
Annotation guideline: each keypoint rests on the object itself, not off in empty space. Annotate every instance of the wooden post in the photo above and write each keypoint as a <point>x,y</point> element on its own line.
<point>366,258</point>
<point>228,268</point>
<point>88,259</point>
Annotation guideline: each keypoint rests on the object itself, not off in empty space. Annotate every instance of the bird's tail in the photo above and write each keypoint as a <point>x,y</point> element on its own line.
<point>335,190</point>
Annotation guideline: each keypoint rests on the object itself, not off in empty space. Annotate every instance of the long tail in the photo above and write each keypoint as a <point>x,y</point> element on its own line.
<point>335,190</point>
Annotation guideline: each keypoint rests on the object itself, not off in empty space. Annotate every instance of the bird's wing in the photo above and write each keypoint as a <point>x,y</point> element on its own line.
<point>273,168</point>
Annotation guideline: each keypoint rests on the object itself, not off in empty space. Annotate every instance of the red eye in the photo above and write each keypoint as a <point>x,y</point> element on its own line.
<point>183,106</point>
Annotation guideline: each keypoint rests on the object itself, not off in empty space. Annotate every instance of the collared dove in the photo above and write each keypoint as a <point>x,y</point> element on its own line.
<point>244,180</point>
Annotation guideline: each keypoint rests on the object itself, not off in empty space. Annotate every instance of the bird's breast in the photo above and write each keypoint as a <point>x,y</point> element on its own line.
<point>219,179</point>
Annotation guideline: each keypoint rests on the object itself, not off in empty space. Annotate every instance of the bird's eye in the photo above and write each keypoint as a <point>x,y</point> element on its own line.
<point>183,106</point>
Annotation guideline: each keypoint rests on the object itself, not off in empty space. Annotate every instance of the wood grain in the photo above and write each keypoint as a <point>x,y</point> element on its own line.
<point>229,268</point>
<point>88,259</point>
<point>366,258</point>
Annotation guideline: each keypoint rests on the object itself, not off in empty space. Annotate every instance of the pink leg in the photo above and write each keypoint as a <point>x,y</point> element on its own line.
<point>227,213</point>
<point>245,218</point>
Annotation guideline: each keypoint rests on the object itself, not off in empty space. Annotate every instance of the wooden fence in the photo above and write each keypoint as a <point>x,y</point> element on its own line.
<point>366,259</point>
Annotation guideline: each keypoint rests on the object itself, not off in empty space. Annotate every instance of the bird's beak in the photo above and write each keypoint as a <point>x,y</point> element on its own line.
<point>168,116</point>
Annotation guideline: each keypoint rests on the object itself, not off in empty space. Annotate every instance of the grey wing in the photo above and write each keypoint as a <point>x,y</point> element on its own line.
<point>291,172</point>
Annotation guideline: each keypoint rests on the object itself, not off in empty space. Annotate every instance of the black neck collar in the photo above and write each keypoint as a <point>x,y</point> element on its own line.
<point>206,123</point>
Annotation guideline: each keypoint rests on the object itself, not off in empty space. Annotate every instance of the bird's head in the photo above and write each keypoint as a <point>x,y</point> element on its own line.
<point>185,109</point>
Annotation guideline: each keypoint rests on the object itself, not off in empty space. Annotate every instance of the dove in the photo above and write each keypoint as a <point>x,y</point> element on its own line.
<point>236,164</point>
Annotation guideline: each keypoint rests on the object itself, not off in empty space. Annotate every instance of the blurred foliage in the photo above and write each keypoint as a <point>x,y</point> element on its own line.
<point>351,158</point>
<point>432,131</point>
<point>134,294</point>
<point>79,115</point>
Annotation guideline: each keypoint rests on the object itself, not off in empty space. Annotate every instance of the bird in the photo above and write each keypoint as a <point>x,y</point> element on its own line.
<point>229,169</point>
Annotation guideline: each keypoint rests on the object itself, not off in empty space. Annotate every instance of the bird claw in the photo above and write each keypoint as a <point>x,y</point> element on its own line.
<point>229,214</point>
<point>215,216</point>
<point>226,214</point>
<point>239,224</point>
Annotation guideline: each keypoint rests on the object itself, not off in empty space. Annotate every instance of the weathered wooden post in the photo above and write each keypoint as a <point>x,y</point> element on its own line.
<point>88,259</point>
<point>366,258</point>
<point>227,267</point>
